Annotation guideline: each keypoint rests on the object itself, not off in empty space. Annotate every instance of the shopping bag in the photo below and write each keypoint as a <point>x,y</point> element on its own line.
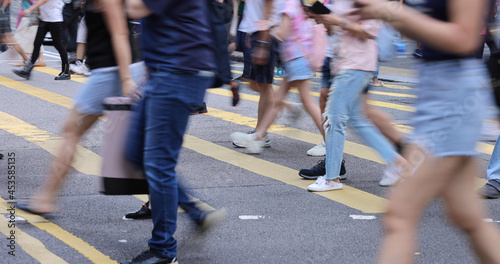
<point>119,176</point>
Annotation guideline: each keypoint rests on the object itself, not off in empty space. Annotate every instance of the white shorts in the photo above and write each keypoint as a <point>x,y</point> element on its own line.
<point>81,35</point>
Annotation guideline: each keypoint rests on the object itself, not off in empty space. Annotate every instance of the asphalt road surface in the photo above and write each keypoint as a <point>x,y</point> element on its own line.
<point>271,218</point>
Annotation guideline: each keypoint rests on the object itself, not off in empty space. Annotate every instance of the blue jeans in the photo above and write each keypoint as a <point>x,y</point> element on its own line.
<point>344,105</point>
<point>493,172</point>
<point>155,140</point>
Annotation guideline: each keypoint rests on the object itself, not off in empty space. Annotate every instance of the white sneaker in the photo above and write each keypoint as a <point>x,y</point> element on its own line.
<point>323,185</point>
<point>79,68</point>
<point>390,177</point>
<point>266,142</point>
<point>318,150</point>
<point>247,141</point>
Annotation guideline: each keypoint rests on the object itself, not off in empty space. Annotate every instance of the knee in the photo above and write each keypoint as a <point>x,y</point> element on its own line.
<point>465,220</point>
<point>396,221</point>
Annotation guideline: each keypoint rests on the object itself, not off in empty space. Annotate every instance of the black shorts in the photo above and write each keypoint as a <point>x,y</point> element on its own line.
<point>264,73</point>
<point>4,23</point>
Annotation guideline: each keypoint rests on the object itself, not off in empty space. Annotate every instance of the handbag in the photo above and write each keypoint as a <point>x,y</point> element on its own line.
<point>118,175</point>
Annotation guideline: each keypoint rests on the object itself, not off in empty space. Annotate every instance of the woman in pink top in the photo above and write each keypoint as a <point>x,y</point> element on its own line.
<point>357,61</point>
<point>295,33</point>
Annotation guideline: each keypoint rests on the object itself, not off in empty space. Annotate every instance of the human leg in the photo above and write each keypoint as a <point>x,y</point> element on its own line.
<point>42,30</point>
<point>409,199</point>
<point>468,212</point>
<point>75,127</point>
<point>491,189</point>
<point>383,122</point>
<point>55,29</point>
<point>167,110</point>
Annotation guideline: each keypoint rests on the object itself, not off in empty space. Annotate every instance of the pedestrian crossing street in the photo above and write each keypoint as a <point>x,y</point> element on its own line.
<point>32,232</point>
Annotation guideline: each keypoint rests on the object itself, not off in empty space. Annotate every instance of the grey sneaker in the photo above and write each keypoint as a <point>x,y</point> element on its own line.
<point>211,219</point>
<point>491,190</point>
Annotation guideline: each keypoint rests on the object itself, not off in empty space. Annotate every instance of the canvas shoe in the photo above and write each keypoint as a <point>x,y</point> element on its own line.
<point>318,150</point>
<point>320,170</point>
<point>247,141</point>
<point>79,68</point>
<point>323,185</point>
<point>390,177</point>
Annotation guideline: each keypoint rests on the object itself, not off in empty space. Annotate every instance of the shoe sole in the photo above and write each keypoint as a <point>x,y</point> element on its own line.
<point>326,190</point>
<point>264,146</point>
<point>309,177</point>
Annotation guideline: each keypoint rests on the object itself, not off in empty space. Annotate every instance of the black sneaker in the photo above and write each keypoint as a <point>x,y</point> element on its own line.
<point>150,257</point>
<point>202,109</point>
<point>62,76</point>
<point>417,54</point>
<point>491,190</point>
<point>143,213</point>
<point>320,170</point>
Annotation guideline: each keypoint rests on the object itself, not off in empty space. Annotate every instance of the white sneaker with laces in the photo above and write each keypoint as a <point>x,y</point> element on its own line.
<point>79,68</point>
<point>318,150</point>
<point>247,141</point>
<point>390,177</point>
<point>323,185</point>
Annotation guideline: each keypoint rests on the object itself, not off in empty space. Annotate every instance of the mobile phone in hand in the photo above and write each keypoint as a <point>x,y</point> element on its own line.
<point>316,7</point>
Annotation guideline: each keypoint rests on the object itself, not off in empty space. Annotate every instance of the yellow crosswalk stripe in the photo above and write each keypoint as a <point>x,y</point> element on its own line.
<point>66,237</point>
<point>34,247</point>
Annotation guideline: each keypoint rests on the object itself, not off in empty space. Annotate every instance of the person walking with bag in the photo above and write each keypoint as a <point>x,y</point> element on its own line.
<point>452,96</point>
<point>110,58</point>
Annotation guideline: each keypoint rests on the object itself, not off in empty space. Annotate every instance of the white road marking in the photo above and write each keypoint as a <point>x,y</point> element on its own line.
<point>363,217</point>
<point>251,217</point>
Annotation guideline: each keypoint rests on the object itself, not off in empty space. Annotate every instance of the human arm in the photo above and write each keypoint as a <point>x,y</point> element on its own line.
<point>361,30</point>
<point>5,4</point>
<point>283,30</point>
<point>260,53</point>
<point>34,7</point>
<point>116,22</point>
<point>137,9</point>
<point>459,35</point>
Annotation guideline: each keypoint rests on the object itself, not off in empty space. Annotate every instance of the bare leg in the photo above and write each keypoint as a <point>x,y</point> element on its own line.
<point>467,211</point>
<point>323,97</point>
<point>410,197</point>
<point>266,95</point>
<point>272,110</point>
<point>304,87</point>
<point>81,49</point>
<point>76,125</point>
<point>11,41</point>
<point>383,122</point>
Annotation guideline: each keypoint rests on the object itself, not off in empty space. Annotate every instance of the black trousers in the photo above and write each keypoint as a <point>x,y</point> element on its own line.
<point>55,29</point>
<point>71,19</point>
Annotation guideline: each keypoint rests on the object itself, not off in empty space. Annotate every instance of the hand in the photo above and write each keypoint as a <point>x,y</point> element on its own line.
<point>376,9</point>
<point>27,12</point>
<point>260,55</point>
<point>129,89</point>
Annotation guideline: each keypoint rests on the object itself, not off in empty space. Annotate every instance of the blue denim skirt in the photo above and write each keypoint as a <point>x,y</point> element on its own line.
<point>297,69</point>
<point>451,100</point>
<point>103,83</point>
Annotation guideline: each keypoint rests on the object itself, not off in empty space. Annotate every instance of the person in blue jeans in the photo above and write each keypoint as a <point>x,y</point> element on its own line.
<point>176,85</point>
<point>491,189</point>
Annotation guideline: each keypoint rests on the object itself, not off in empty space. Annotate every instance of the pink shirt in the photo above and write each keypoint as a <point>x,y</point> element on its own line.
<point>298,43</point>
<point>354,53</point>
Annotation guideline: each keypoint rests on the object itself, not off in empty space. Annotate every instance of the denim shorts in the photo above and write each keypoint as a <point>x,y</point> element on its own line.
<point>297,69</point>
<point>451,100</point>
<point>261,73</point>
<point>104,82</point>
<point>326,74</point>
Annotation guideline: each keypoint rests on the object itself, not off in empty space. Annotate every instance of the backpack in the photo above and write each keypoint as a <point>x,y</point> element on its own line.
<point>220,14</point>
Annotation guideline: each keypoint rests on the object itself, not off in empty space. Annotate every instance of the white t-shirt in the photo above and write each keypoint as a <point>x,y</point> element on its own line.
<point>254,11</point>
<point>51,11</point>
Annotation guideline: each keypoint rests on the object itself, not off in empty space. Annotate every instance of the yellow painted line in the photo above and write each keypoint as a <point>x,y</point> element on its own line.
<point>85,161</point>
<point>392,106</point>
<point>54,72</point>
<point>29,244</point>
<point>352,197</point>
<point>94,255</point>
<point>392,94</point>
